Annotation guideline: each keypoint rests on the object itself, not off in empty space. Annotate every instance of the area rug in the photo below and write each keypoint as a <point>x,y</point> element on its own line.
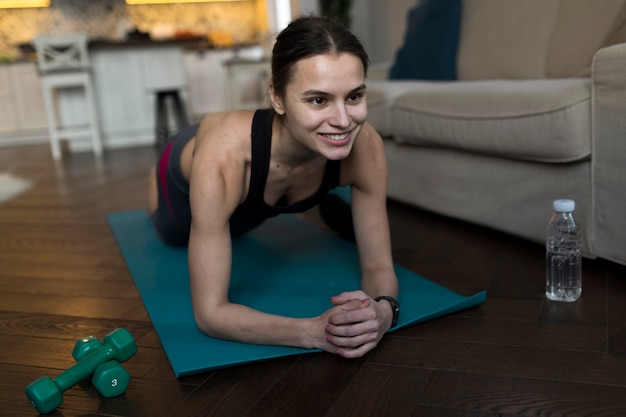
<point>11,186</point>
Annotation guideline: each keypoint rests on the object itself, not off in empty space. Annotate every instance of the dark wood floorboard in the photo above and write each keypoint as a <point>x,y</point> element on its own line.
<point>63,277</point>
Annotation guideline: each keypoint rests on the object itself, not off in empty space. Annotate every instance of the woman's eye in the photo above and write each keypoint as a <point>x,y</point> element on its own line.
<point>355,97</point>
<point>318,101</point>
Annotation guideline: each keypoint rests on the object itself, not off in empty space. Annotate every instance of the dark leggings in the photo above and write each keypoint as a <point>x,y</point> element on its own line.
<point>172,219</point>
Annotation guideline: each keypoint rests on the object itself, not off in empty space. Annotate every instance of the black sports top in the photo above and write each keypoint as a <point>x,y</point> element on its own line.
<point>254,206</point>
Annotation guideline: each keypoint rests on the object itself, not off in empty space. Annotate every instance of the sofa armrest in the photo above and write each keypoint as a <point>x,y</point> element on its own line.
<point>379,71</point>
<point>609,153</point>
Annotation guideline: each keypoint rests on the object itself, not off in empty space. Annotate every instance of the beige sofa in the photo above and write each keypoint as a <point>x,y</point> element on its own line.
<point>538,112</point>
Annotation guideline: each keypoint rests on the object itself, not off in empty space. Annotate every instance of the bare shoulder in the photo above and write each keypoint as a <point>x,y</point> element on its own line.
<point>366,159</point>
<point>368,147</point>
<point>220,159</point>
<point>223,140</point>
<point>369,137</point>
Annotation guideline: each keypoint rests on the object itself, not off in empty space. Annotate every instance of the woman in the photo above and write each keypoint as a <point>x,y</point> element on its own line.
<point>225,176</point>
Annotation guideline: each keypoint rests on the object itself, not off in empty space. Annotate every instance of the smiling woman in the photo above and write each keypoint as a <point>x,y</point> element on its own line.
<point>225,176</point>
<point>333,111</point>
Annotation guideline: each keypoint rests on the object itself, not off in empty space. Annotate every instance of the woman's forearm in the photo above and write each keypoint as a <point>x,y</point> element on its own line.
<point>243,324</point>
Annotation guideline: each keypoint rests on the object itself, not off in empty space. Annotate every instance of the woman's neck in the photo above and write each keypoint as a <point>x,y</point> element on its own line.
<point>287,150</point>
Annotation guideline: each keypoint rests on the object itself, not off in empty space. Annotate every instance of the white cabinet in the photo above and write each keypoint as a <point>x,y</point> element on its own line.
<point>126,79</point>
<point>212,87</point>
<point>22,114</point>
<point>207,81</point>
<point>8,116</point>
<point>123,103</point>
<point>248,83</point>
<point>31,111</point>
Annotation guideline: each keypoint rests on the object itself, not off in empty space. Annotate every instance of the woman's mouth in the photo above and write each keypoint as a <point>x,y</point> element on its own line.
<point>341,136</point>
<point>336,139</point>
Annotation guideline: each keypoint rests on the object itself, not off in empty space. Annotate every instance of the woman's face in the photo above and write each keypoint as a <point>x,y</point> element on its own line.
<point>324,103</point>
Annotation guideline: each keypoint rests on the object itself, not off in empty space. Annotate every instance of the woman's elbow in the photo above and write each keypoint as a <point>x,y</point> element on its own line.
<point>205,322</point>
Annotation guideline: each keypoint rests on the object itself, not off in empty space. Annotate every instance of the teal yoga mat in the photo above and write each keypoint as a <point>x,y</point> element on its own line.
<point>286,266</point>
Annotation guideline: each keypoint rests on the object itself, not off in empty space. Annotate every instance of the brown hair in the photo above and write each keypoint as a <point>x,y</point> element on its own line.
<point>309,36</point>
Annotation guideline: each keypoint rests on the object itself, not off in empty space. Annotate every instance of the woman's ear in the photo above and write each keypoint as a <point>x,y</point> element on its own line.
<point>277,101</point>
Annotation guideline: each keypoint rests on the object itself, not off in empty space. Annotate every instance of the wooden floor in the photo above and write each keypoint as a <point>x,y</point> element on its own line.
<point>63,277</point>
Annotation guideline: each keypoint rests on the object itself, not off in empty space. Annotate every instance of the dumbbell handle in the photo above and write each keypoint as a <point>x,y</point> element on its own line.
<point>84,368</point>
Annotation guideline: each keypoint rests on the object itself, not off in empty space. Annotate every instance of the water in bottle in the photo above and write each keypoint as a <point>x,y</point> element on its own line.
<point>563,254</point>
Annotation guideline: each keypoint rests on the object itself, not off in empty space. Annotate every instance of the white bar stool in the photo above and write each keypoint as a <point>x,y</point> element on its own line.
<point>63,62</point>
<point>236,67</point>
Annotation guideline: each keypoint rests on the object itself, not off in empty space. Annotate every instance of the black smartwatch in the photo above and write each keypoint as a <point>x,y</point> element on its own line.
<point>395,307</point>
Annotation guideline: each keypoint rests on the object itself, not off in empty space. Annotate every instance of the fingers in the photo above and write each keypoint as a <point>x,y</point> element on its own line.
<point>355,353</point>
<point>353,347</point>
<point>351,336</point>
<point>354,326</point>
<point>348,296</point>
<point>354,311</point>
<point>354,332</point>
<point>351,312</point>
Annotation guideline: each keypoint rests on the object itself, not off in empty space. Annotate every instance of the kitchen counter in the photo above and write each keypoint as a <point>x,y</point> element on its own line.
<point>29,54</point>
<point>187,43</point>
<point>15,61</point>
<point>197,42</point>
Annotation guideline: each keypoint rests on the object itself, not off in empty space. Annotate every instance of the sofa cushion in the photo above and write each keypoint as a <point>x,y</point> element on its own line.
<point>380,97</point>
<point>430,42</point>
<point>582,28</point>
<point>505,39</point>
<point>533,120</point>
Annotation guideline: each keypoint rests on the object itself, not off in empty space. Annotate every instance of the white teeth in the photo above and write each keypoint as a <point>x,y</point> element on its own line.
<point>337,137</point>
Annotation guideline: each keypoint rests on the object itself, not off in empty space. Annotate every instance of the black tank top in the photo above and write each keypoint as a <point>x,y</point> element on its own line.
<point>254,206</point>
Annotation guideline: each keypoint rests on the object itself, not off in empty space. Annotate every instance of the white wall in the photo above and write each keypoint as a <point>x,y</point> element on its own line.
<point>379,24</point>
<point>279,14</point>
<point>309,6</point>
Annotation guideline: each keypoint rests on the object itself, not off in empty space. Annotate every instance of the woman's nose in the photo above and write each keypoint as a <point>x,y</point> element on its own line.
<point>339,116</point>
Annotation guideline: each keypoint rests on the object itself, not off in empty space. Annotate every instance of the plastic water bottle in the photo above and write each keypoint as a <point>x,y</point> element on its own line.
<point>563,254</point>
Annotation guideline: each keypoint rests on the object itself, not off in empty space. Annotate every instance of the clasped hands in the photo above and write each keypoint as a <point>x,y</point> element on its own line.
<point>354,325</point>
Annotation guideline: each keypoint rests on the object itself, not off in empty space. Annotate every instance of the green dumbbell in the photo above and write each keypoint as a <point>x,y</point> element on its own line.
<point>45,394</point>
<point>109,378</point>
<point>85,346</point>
